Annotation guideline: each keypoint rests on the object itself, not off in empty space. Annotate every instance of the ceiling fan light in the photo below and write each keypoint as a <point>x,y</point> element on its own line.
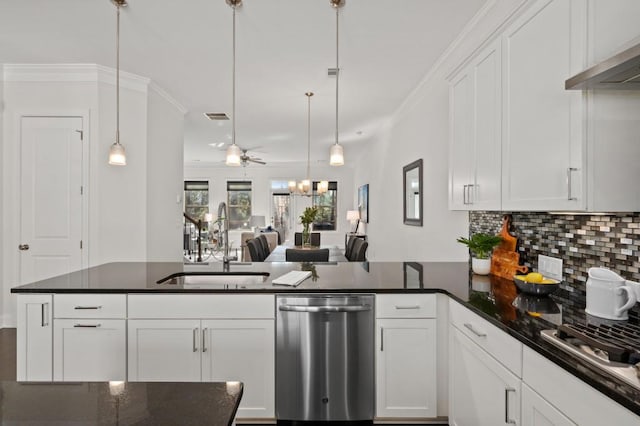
<point>336,155</point>
<point>117,156</point>
<point>233,155</point>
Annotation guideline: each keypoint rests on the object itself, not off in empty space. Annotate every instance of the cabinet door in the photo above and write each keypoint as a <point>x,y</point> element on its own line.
<point>461,153</point>
<point>34,338</point>
<point>482,392</point>
<point>406,368</point>
<point>89,350</point>
<point>242,350</point>
<point>164,350</point>
<point>485,194</point>
<point>536,411</point>
<point>542,158</point>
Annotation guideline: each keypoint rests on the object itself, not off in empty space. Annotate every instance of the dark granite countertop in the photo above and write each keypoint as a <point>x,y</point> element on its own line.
<point>493,298</point>
<point>117,403</point>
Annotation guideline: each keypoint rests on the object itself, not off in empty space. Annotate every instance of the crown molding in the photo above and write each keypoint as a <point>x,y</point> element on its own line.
<point>75,73</point>
<point>167,97</point>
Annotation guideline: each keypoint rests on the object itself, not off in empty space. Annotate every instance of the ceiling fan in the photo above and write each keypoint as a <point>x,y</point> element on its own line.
<point>246,159</point>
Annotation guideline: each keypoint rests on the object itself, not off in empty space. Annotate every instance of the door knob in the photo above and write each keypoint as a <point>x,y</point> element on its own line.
<point>23,247</point>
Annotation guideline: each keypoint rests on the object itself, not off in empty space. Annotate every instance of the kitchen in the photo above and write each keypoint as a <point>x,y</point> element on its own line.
<point>422,125</point>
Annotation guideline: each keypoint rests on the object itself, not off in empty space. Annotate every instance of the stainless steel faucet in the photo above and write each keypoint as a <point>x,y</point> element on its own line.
<point>224,232</point>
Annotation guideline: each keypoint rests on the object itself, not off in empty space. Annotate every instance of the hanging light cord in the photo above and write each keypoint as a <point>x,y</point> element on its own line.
<point>309,94</point>
<point>233,83</point>
<point>337,71</point>
<point>118,74</point>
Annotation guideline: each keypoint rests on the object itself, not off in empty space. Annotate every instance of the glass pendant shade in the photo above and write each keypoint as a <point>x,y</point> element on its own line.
<point>117,156</point>
<point>292,186</point>
<point>306,185</point>
<point>323,186</point>
<point>336,155</point>
<point>233,155</point>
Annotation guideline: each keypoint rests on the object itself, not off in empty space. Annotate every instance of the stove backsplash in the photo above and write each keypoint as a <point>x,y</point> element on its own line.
<point>581,241</point>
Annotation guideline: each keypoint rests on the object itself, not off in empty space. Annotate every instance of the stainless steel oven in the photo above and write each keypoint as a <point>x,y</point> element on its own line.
<point>325,358</point>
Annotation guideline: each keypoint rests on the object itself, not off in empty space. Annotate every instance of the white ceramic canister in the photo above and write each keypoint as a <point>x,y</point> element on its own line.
<point>607,295</point>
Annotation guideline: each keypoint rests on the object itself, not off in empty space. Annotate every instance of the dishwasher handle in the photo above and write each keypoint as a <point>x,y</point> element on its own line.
<point>343,308</point>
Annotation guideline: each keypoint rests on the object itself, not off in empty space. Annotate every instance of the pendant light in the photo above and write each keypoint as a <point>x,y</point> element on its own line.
<point>117,156</point>
<point>337,154</point>
<point>233,152</point>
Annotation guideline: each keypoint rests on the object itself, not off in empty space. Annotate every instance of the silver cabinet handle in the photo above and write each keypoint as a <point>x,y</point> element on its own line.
<point>87,325</point>
<point>195,339</point>
<point>345,308</point>
<point>381,339</point>
<point>407,307</point>
<point>88,307</point>
<point>464,194</point>
<point>507,420</point>
<point>23,247</point>
<point>469,199</point>
<point>569,170</point>
<point>45,314</point>
<point>204,334</point>
<point>474,331</point>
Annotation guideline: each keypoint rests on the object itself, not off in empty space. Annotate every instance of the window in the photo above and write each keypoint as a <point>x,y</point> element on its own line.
<point>196,198</point>
<point>327,205</point>
<point>239,203</point>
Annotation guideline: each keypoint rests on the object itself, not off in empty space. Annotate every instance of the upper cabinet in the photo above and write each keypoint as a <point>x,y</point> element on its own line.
<point>554,150</point>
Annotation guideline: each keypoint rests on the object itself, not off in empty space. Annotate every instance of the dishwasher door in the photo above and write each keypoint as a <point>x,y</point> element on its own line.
<point>325,358</point>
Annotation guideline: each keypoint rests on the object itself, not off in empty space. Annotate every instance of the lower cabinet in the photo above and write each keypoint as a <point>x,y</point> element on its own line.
<point>89,350</point>
<point>482,391</point>
<point>536,411</point>
<point>208,350</point>
<point>406,367</point>
<point>34,342</point>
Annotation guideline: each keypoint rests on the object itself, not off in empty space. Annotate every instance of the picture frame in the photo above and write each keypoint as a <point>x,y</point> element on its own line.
<point>412,193</point>
<point>413,275</point>
<point>363,203</point>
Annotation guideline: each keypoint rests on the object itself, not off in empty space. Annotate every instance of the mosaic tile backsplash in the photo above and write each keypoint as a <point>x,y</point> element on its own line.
<point>581,241</point>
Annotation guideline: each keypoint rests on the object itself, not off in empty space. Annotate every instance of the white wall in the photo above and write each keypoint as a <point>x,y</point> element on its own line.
<point>261,177</point>
<point>420,129</point>
<point>165,130</point>
<point>2,297</point>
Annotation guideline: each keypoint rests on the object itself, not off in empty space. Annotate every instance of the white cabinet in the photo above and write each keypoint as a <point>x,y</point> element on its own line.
<point>167,344</point>
<point>89,350</point>
<point>475,118</point>
<point>536,411</point>
<point>406,356</point>
<point>34,342</point>
<point>482,392</point>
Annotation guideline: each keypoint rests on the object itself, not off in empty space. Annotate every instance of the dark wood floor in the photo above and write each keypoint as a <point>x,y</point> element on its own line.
<point>7,353</point>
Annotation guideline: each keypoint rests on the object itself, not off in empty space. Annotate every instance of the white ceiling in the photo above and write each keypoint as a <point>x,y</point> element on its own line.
<point>284,48</point>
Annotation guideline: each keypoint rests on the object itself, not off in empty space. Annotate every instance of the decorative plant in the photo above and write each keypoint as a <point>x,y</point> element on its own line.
<point>306,218</point>
<point>481,244</point>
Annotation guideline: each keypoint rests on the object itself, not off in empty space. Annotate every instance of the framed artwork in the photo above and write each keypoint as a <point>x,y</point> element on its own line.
<point>363,203</point>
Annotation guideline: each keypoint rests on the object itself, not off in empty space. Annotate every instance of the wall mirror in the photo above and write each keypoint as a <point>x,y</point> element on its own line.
<point>412,189</point>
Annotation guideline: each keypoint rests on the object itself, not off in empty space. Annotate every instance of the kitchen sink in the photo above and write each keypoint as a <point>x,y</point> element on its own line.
<point>216,279</point>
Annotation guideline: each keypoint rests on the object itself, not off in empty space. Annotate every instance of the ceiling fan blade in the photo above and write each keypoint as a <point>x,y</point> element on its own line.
<point>256,160</point>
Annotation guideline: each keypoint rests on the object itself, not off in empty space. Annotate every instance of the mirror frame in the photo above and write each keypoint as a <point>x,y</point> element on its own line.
<point>405,170</point>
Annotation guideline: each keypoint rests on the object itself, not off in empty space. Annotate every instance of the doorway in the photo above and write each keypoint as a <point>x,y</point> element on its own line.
<point>51,192</point>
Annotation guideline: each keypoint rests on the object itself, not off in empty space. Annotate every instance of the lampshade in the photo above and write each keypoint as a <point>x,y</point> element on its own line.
<point>323,186</point>
<point>257,221</point>
<point>337,155</point>
<point>117,155</point>
<point>233,155</point>
<point>353,215</point>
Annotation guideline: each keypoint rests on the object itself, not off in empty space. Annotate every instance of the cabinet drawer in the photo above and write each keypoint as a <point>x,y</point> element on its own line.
<point>406,306</point>
<point>205,306</point>
<point>90,306</point>
<point>496,342</point>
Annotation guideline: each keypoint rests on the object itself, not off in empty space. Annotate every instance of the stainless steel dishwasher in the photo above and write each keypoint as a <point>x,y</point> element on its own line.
<point>325,358</point>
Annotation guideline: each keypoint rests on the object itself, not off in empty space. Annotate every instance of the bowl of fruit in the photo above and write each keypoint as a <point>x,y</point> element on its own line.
<point>535,283</point>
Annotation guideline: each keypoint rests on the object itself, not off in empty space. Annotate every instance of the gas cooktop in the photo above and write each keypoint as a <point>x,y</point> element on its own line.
<point>611,348</point>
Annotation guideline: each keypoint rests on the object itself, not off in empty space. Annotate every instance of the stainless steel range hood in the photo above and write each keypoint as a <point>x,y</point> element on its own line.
<point>620,72</point>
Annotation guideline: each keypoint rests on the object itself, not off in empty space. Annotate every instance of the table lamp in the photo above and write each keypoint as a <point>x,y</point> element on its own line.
<point>354,216</point>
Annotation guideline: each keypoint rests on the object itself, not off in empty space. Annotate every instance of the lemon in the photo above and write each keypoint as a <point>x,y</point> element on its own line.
<point>534,277</point>
<point>521,277</point>
<point>547,281</point>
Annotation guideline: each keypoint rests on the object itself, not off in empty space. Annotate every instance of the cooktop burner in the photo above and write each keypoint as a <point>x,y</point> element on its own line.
<point>612,348</point>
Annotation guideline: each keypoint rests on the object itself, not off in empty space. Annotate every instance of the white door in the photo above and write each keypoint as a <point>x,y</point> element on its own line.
<point>164,350</point>
<point>242,350</point>
<point>406,368</point>
<point>481,391</point>
<point>50,196</point>
<point>536,411</point>
<point>91,350</point>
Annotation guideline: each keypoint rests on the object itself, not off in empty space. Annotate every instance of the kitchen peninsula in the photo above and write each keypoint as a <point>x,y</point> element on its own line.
<point>234,320</point>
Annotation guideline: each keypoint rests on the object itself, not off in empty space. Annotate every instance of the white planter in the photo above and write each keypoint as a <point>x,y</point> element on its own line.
<point>481,266</point>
